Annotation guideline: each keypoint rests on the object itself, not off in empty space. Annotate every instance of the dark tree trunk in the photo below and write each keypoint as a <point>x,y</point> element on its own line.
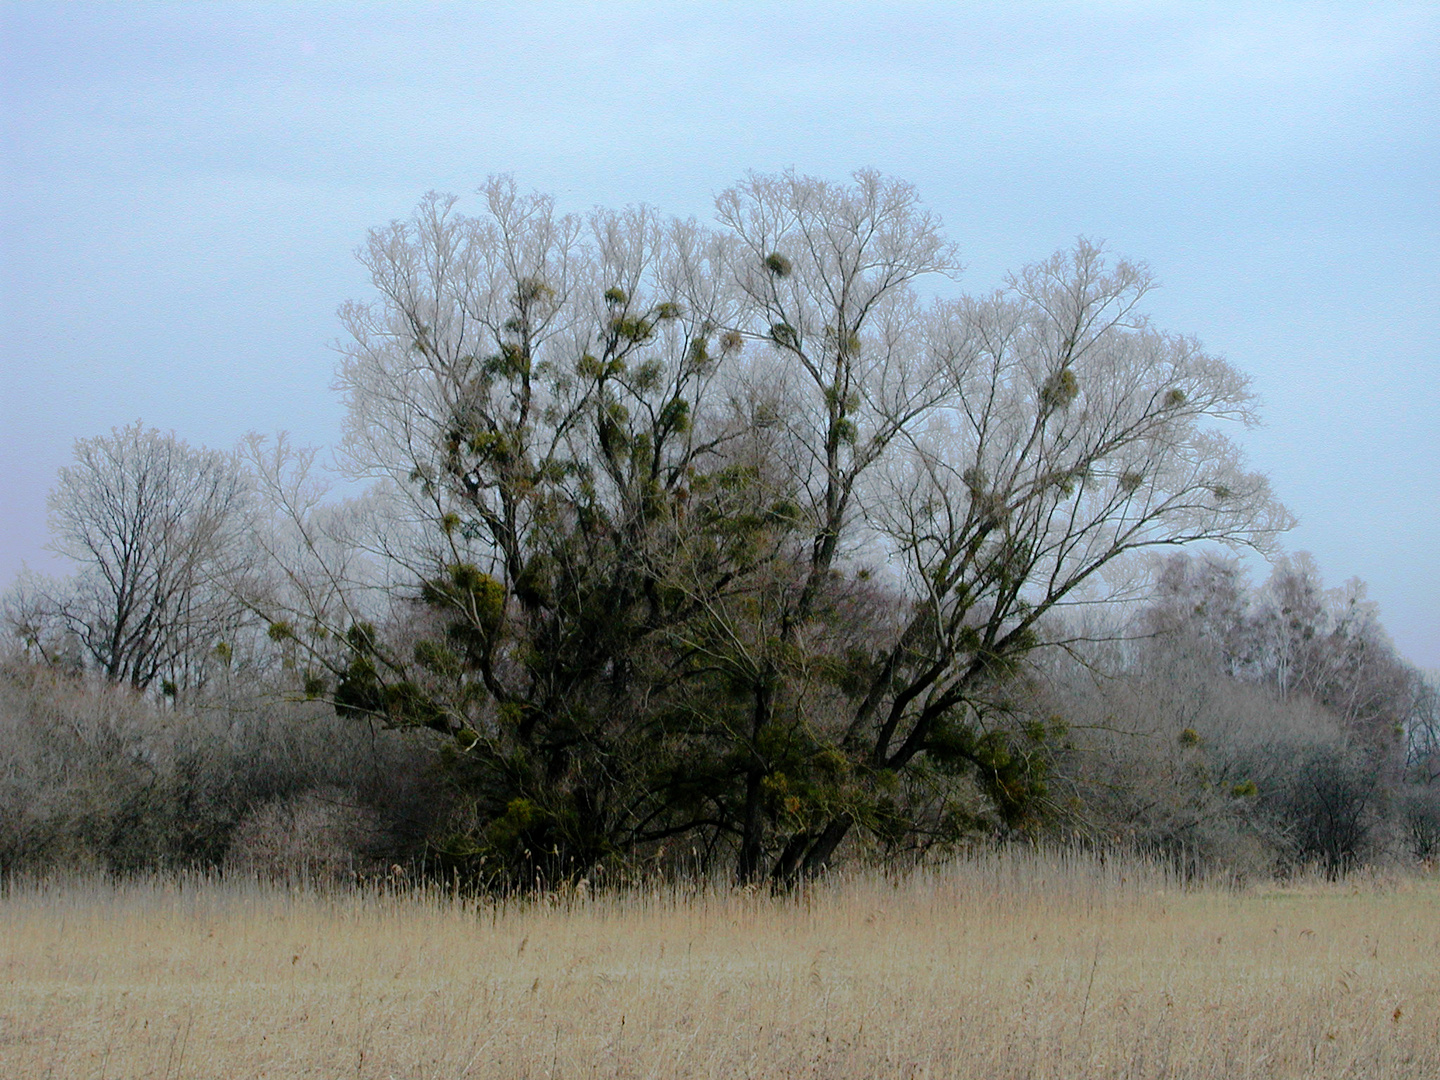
<point>817,859</point>
<point>808,854</point>
<point>752,847</point>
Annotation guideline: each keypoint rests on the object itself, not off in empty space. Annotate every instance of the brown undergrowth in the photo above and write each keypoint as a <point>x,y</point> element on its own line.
<point>1007,965</point>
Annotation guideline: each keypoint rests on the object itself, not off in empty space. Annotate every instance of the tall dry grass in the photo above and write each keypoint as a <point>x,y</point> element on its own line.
<point>1013,965</point>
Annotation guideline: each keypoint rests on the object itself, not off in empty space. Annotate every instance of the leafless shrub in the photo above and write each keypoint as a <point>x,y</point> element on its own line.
<point>93,775</point>
<point>316,836</point>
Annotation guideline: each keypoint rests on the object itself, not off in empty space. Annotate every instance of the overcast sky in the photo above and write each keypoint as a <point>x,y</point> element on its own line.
<point>185,185</point>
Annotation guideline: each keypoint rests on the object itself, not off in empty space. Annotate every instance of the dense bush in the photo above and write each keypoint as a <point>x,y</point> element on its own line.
<point>318,835</point>
<point>1260,730</point>
<point>97,775</point>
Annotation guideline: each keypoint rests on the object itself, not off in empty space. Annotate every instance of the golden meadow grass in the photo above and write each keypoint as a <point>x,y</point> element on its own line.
<point>1003,966</point>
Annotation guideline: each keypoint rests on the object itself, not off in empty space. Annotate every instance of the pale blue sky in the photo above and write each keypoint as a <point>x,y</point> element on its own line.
<point>184,186</point>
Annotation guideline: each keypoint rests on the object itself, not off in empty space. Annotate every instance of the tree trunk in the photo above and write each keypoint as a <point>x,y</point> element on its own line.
<point>752,849</point>
<point>808,854</point>
<point>817,860</point>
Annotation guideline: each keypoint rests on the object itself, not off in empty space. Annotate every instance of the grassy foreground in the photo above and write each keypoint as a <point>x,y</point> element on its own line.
<point>1005,966</point>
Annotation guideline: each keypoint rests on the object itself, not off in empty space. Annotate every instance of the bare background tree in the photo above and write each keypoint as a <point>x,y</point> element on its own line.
<point>159,533</point>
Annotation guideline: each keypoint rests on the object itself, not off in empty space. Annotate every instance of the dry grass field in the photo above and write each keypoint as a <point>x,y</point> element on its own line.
<point>1005,966</point>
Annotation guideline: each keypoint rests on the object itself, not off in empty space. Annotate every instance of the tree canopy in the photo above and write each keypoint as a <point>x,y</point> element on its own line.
<point>732,537</point>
